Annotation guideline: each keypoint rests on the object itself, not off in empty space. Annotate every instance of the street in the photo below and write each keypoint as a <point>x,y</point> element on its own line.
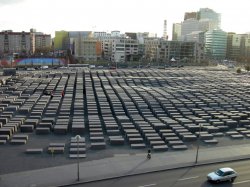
<point>188,177</point>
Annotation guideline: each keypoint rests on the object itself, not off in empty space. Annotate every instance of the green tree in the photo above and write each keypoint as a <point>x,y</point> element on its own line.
<point>247,68</point>
<point>238,70</point>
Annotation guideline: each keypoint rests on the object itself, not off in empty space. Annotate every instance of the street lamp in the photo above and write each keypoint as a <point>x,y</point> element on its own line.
<point>198,144</point>
<point>78,137</point>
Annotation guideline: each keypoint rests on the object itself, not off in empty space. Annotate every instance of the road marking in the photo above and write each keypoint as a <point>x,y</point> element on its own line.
<point>148,185</point>
<point>188,178</point>
<point>240,182</point>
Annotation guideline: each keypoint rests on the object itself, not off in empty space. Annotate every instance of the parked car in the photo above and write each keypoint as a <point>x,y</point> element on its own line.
<point>222,174</point>
<point>44,67</point>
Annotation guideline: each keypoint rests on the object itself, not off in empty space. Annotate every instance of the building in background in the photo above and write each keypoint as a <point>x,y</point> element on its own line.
<point>42,41</point>
<point>165,33</point>
<point>233,46</point>
<point>151,49</point>
<point>124,50</point>
<point>238,47</point>
<point>61,40</point>
<point>245,50</point>
<point>115,34</point>
<point>188,26</point>
<point>23,43</point>
<point>213,17</point>
<point>180,52</point>
<point>189,15</point>
<point>196,36</point>
<point>204,20</point>
<point>32,41</point>
<point>15,42</point>
<point>176,31</point>
<point>87,49</point>
<point>215,44</point>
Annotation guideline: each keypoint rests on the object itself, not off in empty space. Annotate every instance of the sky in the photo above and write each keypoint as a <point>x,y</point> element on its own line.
<point>48,16</point>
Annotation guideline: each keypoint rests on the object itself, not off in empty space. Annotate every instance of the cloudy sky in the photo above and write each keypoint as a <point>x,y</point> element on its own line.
<point>49,16</point>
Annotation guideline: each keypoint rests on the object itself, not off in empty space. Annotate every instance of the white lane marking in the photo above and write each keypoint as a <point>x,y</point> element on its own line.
<point>188,178</point>
<point>240,182</point>
<point>148,185</point>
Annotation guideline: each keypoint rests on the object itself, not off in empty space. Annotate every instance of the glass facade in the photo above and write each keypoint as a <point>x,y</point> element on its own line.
<point>215,44</point>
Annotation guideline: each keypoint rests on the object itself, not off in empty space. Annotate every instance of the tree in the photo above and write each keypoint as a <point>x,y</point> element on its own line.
<point>247,68</point>
<point>238,70</point>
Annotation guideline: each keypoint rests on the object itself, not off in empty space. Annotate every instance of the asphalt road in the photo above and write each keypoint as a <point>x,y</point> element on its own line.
<point>188,177</point>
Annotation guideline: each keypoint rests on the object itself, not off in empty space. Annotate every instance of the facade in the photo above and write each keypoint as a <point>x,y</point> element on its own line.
<point>23,43</point>
<point>211,15</point>
<point>14,42</point>
<point>61,40</point>
<point>124,49</point>
<point>189,15</point>
<point>107,49</point>
<point>204,20</point>
<point>215,44</point>
<point>238,47</point>
<point>42,41</point>
<point>115,34</point>
<point>176,31</point>
<point>233,46</point>
<point>74,36</point>
<point>182,52</point>
<point>151,49</point>
<point>32,41</point>
<point>188,26</point>
<point>102,35</point>
<point>205,25</point>
<point>246,48</point>
<point>87,49</point>
<point>197,36</point>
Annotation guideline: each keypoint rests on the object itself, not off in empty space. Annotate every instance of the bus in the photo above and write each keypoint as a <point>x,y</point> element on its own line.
<point>75,66</point>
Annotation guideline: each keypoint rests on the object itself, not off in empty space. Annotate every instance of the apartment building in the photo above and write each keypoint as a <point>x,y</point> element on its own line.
<point>24,43</point>
<point>14,42</point>
<point>42,41</point>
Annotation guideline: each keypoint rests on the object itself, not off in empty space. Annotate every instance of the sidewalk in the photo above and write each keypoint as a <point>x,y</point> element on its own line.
<point>121,165</point>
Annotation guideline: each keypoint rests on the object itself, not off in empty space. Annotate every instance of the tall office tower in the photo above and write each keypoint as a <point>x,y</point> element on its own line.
<point>165,34</point>
<point>176,31</point>
<point>209,14</point>
<point>215,44</point>
<point>189,15</point>
<point>188,26</point>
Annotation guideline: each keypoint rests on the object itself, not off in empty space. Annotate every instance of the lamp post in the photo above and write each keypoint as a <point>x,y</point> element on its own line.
<point>198,145</point>
<point>78,137</point>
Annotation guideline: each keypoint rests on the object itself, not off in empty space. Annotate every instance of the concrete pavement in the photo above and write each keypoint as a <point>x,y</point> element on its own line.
<point>122,165</point>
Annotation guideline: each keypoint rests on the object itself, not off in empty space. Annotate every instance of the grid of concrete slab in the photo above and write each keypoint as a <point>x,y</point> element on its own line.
<point>162,110</point>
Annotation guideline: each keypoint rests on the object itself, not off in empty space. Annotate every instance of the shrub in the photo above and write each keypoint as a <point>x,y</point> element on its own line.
<point>238,70</point>
<point>247,68</point>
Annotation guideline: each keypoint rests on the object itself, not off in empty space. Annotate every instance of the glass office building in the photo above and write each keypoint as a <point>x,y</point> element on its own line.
<point>215,44</point>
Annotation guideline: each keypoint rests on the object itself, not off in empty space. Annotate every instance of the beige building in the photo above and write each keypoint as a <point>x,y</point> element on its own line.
<point>124,49</point>
<point>87,49</point>
<point>42,40</point>
<point>23,42</point>
<point>151,49</point>
<point>14,42</point>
